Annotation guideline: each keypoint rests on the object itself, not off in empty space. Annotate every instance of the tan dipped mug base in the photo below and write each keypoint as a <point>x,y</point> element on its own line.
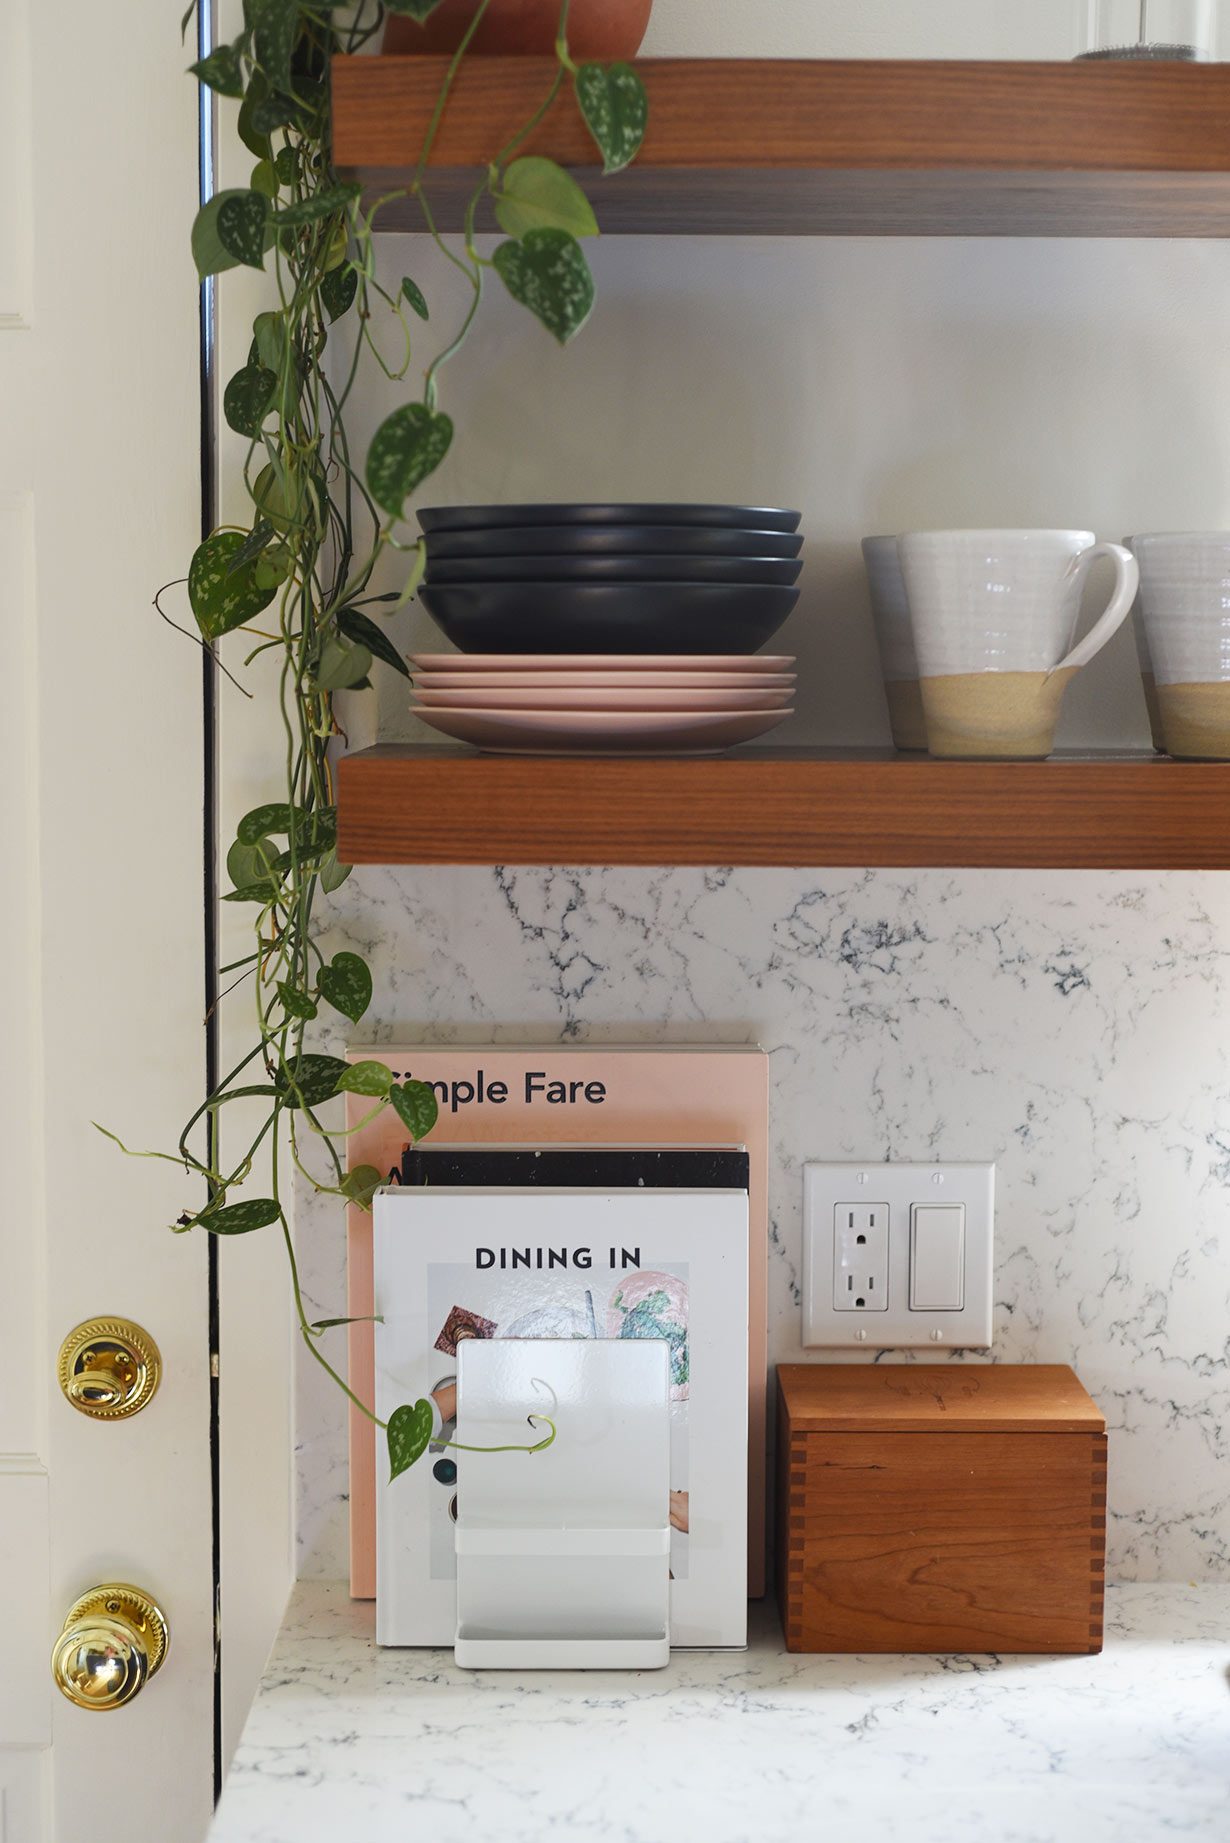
<point>1196,721</point>
<point>990,716</point>
<point>1154,708</point>
<point>905,713</point>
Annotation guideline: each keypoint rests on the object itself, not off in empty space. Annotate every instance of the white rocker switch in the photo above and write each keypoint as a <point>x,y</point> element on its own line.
<point>937,1257</point>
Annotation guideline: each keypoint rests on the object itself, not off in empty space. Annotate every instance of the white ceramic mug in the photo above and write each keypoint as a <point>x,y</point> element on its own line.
<point>1185,604</point>
<point>890,614</point>
<point>993,614</point>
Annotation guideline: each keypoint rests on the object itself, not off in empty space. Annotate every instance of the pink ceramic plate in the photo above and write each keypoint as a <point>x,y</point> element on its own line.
<point>652,697</point>
<point>604,681</point>
<point>602,662</point>
<point>603,732</point>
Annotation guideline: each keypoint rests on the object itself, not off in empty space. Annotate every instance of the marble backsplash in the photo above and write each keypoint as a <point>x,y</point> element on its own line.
<point>1072,1026</point>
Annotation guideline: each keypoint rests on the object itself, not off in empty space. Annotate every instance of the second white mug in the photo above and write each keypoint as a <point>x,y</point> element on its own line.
<point>993,614</point>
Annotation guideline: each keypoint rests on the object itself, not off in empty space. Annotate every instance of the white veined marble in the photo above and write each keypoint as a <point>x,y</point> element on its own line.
<point>1075,1027</point>
<point>348,1741</point>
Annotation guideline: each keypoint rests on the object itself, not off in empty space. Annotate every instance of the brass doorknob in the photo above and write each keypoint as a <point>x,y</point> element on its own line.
<point>109,1368</point>
<point>114,1639</point>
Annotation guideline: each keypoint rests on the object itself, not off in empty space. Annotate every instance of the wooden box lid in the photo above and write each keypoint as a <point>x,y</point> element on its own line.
<point>936,1397</point>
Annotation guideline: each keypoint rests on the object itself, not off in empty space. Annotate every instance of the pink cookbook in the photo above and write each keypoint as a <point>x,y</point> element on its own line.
<point>559,1096</point>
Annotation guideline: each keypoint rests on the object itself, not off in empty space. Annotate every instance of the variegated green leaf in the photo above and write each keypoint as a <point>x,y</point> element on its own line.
<point>613,102</point>
<point>547,272</point>
<point>409,1433</point>
<point>347,985</point>
<point>221,600</point>
<point>416,1106</point>
<point>408,445</point>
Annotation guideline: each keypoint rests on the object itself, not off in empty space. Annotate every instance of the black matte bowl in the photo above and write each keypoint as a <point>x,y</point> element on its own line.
<point>613,569</point>
<point>613,540</point>
<point>469,518</point>
<point>608,617</point>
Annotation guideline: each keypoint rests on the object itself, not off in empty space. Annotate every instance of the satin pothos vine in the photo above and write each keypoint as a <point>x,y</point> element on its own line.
<point>297,578</point>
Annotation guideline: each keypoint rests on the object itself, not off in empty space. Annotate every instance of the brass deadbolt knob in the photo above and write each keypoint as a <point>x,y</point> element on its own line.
<point>114,1639</point>
<point>109,1368</point>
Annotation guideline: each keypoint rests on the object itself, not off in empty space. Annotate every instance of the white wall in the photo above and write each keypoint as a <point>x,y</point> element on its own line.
<point>1072,1026</point>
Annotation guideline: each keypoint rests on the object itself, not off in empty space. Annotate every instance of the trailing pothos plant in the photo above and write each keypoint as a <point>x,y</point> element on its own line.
<point>298,577</point>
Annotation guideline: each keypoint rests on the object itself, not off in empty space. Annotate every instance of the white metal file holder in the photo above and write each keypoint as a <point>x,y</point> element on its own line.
<point>563,1556</point>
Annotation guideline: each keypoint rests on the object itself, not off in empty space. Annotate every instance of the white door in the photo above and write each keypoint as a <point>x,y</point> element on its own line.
<point>101,948</point>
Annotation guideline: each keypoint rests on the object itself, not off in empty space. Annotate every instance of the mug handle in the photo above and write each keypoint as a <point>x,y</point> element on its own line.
<point>1127,582</point>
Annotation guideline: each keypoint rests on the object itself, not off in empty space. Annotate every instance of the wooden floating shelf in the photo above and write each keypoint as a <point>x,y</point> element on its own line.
<point>792,146</point>
<point>417,805</point>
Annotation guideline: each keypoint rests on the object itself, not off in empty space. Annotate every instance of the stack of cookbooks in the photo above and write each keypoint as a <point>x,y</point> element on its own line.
<point>574,1243</point>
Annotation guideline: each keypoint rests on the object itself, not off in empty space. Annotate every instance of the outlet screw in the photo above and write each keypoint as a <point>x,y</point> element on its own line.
<point>860,1337</point>
<point>937,1177</point>
<point>937,1337</point>
<point>862,1177</point>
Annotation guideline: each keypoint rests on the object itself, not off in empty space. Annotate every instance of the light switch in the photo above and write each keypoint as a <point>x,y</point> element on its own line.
<point>937,1257</point>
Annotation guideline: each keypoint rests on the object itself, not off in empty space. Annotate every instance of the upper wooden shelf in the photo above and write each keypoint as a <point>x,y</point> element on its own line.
<point>430,805</point>
<point>788,146</point>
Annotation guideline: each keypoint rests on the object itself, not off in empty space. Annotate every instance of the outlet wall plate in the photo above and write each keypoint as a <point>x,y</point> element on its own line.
<point>842,1202</point>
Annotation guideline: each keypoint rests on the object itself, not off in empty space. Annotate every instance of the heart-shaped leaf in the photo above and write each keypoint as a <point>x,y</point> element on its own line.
<point>275,816</point>
<point>255,140</point>
<point>409,1433</point>
<point>296,1003</point>
<point>247,398</point>
<point>361,1185</point>
<point>269,342</point>
<point>341,666</point>
<point>241,1218</point>
<point>208,252</point>
<point>338,289</point>
<point>613,102</point>
<point>408,445</point>
<point>315,1078</point>
<point>286,164</point>
<point>539,195</point>
<point>285,501</point>
<point>242,217</point>
<point>414,294</point>
<point>250,865</point>
<point>375,1078</point>
<point>357,627</point>
<point>333,874</point>
<point>547,273</point>
<point>221,600</point>
<point>416,1107</point>
<point>412,9</point>
<point>274,24</point>
<point>321,205</point>
<point>347,985</point>
<point>221,71</point>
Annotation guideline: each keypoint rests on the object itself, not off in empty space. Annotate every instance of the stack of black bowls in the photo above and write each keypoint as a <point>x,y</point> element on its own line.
<point>668,579</point>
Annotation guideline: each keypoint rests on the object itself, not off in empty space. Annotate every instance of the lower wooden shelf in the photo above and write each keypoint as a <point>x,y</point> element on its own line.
<point>416,805</point>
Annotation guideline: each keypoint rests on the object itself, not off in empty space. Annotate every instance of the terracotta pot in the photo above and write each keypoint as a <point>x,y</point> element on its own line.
<point>596,28</point>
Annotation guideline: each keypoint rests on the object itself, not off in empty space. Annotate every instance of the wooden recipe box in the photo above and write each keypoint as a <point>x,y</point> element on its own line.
<point>940,1507</point>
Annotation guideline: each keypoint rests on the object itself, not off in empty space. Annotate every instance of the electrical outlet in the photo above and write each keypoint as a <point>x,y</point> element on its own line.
<point>860,1257</point>
<point>911,1269</point>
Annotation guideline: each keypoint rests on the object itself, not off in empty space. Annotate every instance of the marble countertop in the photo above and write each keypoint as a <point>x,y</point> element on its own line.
<point>348,1741</point>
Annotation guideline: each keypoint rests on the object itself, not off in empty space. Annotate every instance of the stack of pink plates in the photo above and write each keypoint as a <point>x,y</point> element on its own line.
<point>603,703</point>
